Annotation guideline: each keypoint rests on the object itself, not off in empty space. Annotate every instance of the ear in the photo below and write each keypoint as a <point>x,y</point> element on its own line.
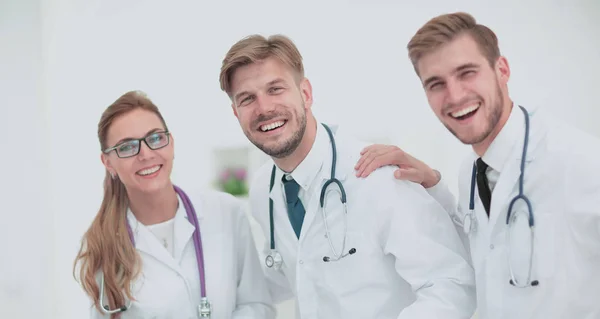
<point>502,70</point>
<point>106,162</point>
<point>234,109</point>
<point>306,92</point>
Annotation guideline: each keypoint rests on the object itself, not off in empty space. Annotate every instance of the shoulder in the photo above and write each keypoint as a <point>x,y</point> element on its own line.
<point>574,148</point>
<point>259,185</point>
<point>383,188</point>
<point>218,206</point>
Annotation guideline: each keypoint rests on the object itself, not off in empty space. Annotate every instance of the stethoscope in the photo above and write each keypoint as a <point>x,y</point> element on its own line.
<point>274,259</point>
<point>204,309</point>
<point>470,220</point>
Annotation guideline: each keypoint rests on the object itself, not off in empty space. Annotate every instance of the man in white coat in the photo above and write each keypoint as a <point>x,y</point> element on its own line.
<point>554,271</point>
<point>393,254</point>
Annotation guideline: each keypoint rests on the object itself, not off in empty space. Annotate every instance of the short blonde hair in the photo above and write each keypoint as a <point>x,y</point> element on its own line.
<point>445,28</point>
<point>255,48</point>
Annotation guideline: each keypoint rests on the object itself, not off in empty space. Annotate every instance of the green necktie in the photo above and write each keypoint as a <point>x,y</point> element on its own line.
<point>294,205</point>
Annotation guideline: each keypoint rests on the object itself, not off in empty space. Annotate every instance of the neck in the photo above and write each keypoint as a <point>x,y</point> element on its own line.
<point>154,208</point>
<point>289,163</point>
<point>481,147</point>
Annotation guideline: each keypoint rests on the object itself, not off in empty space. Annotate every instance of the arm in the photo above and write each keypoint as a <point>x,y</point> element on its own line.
<point>442,194</point>
<point>253,298</point>
<point>429,254</point>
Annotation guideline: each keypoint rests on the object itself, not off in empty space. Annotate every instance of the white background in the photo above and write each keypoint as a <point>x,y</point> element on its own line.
<point>63,61</point>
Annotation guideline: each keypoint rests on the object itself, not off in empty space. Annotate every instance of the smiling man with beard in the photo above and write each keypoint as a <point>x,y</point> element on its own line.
<point>393,253</point>
<point>529,192</point>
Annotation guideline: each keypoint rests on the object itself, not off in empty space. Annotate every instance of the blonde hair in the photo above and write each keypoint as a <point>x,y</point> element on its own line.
<point>106,246</point>
<point>444,28</point>
<point>255,48</point>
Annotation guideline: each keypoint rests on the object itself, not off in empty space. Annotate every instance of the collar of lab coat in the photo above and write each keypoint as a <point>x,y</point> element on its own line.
<point>505,153</point>
<point>317,164</point>
<point>500,149</point>
<point>320,157</point>
<point>311,166</point>
<point>146,242</point>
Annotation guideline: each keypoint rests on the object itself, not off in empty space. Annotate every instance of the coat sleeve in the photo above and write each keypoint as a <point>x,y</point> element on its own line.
<point>442,194</point>
<point>253,298</point>
<point>428,253</point>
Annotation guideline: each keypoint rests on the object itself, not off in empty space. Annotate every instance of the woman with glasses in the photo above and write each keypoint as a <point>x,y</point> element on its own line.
<point>152,251</point>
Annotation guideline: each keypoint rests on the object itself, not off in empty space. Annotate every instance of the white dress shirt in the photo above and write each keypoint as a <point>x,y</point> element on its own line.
<point>409,260</point>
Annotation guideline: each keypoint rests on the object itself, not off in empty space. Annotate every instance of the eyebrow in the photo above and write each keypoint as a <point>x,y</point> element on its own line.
<point>276,81</point>
<point>154,130</point>
<point>458,69</point>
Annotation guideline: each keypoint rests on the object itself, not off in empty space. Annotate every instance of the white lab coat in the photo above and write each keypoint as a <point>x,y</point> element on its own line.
<point>170,287</point>
<point>409,260</point>
<point>562,181</point>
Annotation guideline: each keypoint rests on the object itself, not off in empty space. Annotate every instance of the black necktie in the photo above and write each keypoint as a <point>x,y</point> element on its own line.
<point>483,186</point>
<point>294,205</point>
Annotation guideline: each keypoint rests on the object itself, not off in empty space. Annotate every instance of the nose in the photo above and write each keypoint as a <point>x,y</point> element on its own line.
<point>264,103</point>
<point>145,152</point>
<point>455,92</point>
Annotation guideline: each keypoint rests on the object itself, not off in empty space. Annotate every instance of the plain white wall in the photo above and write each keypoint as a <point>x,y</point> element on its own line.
<point>355,57</point>
<point>26,232</point>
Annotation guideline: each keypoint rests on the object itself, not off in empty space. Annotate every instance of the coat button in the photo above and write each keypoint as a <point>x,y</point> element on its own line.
<point>492,246</point>
<point>301,262</point>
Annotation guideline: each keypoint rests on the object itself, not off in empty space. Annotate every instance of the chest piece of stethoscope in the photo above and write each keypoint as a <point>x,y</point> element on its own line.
<point>274,260</point>
<point>204,308</point>
<point>469,223</point>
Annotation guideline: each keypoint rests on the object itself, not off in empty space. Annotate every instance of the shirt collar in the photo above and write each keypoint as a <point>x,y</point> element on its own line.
<point>306,172</point>
<point>500,150</point>
<point>179,213</point>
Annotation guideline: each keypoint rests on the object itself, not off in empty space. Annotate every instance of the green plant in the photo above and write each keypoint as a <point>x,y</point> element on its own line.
<point>233,181</point>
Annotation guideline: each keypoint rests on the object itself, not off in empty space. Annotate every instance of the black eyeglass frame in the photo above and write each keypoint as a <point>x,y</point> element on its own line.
<point>139,141</point>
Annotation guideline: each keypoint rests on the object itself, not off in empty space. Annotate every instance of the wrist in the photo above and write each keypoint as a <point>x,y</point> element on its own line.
<point>431,179</point>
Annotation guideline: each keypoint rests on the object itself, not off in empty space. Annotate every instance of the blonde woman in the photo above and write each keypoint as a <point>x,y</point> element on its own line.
<point>152,251</point>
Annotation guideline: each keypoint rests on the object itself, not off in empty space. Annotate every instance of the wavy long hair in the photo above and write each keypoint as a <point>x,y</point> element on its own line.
<point>106,245</point>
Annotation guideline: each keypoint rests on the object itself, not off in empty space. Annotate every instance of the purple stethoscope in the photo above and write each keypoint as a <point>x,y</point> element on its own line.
<point>204,309</point>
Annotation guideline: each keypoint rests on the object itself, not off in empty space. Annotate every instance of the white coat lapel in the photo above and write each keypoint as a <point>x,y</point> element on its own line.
<point>345,163</point>
<point>281,220</point>
<point>508,183</point>
<point>504,188</point>
<point>183,232</point>
<point>146,242</point>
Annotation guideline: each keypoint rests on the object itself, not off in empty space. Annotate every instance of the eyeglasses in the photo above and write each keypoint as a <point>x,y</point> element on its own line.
<point>132,147</point>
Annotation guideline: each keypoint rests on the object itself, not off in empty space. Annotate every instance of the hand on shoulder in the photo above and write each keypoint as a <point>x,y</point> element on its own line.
<point>409,168</point>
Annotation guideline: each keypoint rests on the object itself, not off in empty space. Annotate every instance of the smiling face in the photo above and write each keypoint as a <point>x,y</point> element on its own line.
<point>464,91</point>
<point>149,171</point>
<point>271,103</point>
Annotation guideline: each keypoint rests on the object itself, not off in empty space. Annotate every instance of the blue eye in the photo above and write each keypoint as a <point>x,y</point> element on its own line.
<point>127,147</point>
<point>155,138</point>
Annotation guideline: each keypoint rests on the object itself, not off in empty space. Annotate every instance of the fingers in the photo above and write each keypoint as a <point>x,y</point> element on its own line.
<point>409,174</point>
<point>367,154</point>
<point>379,160</point>
<point>370,147</point>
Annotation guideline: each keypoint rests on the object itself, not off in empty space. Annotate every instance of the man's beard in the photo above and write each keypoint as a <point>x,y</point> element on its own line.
<point>287,147</point>
<point>492,121</point>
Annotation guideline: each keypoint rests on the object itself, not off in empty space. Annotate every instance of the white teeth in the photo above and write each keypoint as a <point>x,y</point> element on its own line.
<point>149,171</point>
<point>271,126</point>
<point>465,111</point>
